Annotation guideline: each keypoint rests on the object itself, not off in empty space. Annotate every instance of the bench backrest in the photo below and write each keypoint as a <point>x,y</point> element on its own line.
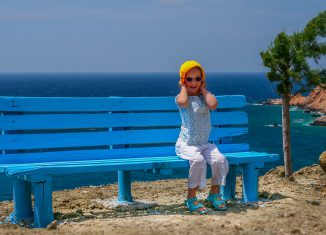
<point>42,129</point>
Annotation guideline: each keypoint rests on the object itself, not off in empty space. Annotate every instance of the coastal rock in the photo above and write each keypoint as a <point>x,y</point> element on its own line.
<point>321,121</point>
<point>322,161</point>
<point>316,100</point>
<point>274,101</point>
<point>298,100</point>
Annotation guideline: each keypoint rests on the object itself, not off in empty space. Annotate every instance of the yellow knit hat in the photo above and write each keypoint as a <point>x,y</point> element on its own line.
<point>186,66</point>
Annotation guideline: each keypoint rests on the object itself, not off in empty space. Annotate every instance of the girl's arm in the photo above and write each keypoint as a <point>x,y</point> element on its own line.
<point>209,98</point>
<point>182,98</point>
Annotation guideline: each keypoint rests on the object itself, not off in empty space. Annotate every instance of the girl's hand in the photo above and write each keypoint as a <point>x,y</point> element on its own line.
<point>182,85</point>
<point>203,85</point>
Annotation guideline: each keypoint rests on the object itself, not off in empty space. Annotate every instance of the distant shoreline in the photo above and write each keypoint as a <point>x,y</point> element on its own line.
<point>314,102</point>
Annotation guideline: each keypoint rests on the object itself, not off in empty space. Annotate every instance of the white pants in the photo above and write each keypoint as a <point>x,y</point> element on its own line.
<point>198,155</point>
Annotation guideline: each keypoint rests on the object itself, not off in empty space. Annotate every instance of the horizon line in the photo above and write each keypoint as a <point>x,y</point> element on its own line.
<point>6,73</point>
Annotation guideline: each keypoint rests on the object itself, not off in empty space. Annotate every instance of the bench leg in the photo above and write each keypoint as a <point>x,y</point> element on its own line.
<point>43,214</point>
<point>124,184</point>
<point>250,182</point>
<point>228,191</point>
<point>22,201</point>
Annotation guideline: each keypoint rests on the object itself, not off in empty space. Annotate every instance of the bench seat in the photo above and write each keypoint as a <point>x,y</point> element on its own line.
<point>27,170</point>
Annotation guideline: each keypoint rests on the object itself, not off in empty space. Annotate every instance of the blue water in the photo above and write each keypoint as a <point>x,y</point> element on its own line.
<point>307,141</point>
<point>254,85</point>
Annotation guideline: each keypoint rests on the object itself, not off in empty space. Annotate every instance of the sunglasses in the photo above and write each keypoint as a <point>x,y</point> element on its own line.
<point>198,79</point>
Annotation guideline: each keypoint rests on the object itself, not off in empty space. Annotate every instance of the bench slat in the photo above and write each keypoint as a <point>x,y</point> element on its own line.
<point>104,154</point>
<point>63,140</point>
<point>53,168</point>
<point>248,157</point>
<point>91,104</point>
<point>70,121</point>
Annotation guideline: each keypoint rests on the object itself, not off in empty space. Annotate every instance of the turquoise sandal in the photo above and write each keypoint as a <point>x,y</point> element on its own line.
<point>217,201</point>
<point>192,207</point>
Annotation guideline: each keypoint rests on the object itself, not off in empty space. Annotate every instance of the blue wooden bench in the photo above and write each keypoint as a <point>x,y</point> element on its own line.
<point>46,136</point>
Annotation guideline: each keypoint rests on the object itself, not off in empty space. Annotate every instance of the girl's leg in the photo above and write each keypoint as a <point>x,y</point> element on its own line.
<point>197,170</point>
<point>220,168</point>
<point>219,165</point>
<point>197,165</point>
<point>192,194</point>
<point>215,189</point>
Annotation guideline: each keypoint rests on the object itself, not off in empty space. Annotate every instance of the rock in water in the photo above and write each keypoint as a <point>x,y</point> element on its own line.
<point>322,161</point>
<point>321,121</point>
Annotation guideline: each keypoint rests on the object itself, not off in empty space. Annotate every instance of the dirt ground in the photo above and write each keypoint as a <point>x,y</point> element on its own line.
<point>284,207</point>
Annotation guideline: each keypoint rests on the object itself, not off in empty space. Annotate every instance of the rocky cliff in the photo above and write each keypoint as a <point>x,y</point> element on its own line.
<point>297,100</point>
<point>315,101</point>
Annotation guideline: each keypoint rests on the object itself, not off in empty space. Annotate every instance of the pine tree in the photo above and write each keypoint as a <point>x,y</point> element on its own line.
<point>288,60</point>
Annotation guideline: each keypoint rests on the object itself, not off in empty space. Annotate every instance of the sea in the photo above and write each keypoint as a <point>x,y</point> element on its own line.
<point>265,130</point>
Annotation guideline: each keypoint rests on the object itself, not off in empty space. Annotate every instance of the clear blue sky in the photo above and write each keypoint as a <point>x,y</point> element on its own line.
<point>144,35</point>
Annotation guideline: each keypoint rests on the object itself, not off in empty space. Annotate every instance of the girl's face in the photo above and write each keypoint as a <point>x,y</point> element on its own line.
<point>193,81</point>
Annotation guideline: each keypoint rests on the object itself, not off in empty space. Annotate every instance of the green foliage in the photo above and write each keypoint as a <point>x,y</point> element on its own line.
<point>288,57</point>
<point>315,29</point>
<point>322,75</point>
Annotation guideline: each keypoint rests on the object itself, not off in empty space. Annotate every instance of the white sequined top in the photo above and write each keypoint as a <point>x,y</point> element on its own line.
<point>196,121</point>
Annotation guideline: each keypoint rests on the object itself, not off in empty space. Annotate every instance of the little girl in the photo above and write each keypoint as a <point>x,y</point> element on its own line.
<point>194,102</point>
